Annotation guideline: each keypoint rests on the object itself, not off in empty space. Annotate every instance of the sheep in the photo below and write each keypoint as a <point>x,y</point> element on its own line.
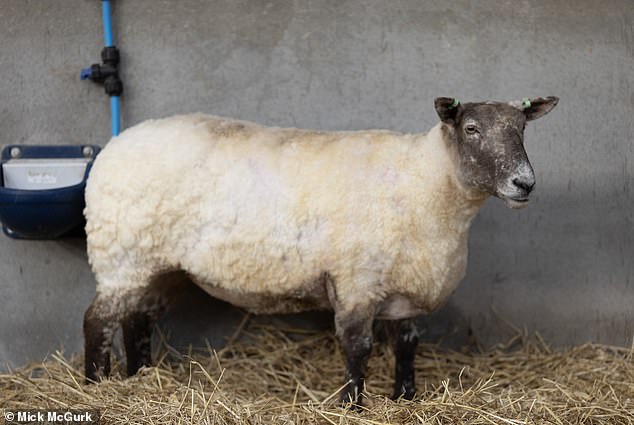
<point>369,224</point>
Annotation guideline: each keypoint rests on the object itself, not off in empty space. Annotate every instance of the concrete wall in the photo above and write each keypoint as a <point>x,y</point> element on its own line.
<point>562,266</point>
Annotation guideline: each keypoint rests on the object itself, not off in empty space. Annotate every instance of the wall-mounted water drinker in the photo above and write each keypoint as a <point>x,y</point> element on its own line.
<point>42,189</point>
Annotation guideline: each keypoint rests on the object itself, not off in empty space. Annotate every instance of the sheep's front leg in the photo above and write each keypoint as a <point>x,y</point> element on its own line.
<point>355,333</point>
<point>405,351</point>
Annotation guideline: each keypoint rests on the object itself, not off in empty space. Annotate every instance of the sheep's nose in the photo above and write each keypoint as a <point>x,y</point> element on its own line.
<point>525,184</point>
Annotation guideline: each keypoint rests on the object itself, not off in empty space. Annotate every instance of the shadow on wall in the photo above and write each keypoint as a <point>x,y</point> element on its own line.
<point>198,318</point>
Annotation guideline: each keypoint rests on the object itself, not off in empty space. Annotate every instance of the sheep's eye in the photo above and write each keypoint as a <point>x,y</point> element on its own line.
<point>471,129</point>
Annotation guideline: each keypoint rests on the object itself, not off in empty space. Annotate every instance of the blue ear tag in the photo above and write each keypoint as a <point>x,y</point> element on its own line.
<point>455,103</point>
<point>526,103</point>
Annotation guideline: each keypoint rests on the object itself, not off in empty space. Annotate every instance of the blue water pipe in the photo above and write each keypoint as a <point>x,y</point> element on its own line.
<point>114,113</point>
<point>107,73</point>
<point>107,22</point>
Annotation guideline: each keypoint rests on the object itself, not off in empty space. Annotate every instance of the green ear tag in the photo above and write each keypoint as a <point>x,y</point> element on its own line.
<point>455,103</point>
<point>526,102</point>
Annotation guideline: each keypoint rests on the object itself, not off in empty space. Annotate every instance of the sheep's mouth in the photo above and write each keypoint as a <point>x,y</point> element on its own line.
<point>515,203</point>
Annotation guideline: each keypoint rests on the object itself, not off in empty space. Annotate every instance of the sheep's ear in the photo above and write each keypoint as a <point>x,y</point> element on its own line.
<point>537,107</point>
<point>447,109</point>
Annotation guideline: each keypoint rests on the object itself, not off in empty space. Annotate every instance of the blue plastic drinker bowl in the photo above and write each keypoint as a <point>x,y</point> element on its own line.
<point>48,213</point>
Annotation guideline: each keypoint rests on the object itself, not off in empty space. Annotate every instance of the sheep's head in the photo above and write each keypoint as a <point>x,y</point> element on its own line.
<point>490,143</point>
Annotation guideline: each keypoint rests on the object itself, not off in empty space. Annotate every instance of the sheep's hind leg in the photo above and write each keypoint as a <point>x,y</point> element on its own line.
<point>405,352</point>
<point>100,322</point>
<point>137,340</point>
<point>355,333</point>
<point>137,325</point>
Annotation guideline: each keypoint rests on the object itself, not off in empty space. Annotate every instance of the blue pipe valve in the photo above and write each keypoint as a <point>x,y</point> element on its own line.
<point>106,73</point>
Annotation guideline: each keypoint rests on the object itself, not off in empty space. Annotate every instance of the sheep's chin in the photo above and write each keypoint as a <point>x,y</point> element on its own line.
<point>516,204</point>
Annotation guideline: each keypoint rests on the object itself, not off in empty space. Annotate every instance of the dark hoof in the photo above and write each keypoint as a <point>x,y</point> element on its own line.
<point>351,398</point>
<point>406,394</point>
<point>93,379</point>
<point>94,375</point>
<point>352,406</point>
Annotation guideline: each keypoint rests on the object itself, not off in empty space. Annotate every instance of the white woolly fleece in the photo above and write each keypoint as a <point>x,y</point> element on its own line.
<point>258,215</point>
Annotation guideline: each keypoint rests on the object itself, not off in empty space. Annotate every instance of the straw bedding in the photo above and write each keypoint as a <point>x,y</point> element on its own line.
<point>273,376</point>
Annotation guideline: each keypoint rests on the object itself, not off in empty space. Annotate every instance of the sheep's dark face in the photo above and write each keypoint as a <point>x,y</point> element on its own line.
<point>490,142</point>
